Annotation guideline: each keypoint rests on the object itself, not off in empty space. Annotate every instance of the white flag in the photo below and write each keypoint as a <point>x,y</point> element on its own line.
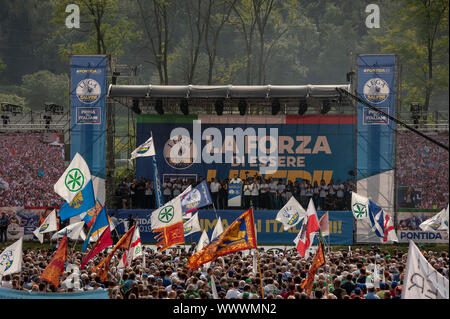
<point>291,213</point>
<point>324,225</point>
<point>437,222</point>
<point>214,288</point>
<point>144,150</point>
<point>74,179</point>
<point>134,251</point>
<point>218,229</point>
<point>11,259</point>
<point>203,241</point>
<point>167,215</point>
<point>360,206</point>
<point>49,225</point>
<point>73,231</point>
<point>191,226</point>
<point>421,280</point>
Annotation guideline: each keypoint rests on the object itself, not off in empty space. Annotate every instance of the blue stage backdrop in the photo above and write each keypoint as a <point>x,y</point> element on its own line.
<point>269,230</point>
<point>310,147</point>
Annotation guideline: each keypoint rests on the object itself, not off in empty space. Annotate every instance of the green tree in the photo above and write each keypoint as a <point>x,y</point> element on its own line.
<point>44,86</point>
<point>104,29</point>
<point>417,30</point>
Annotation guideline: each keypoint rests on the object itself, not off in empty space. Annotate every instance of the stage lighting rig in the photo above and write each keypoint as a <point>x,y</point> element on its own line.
<point>302,107</point>
<point>159,107</point>
<point>184,106</point>
<point>242,106</point>
<point>276,106</point>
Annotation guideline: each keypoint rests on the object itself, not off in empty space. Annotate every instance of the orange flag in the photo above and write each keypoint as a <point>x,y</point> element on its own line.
<point>123,242</point>
<point>240,235</point>
<point>319,260</point>
<point>170,236</point>
<point>55,268</point>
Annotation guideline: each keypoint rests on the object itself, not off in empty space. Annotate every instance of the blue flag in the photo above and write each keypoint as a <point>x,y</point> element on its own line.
<point>157,182</point>
<point>376,216</point>
<point>198,197</point>
<point>81,203</point>
<point>100,223</point>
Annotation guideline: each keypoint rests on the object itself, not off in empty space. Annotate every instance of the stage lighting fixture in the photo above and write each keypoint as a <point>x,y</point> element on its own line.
<point>47,119</point>
<point>114,78</point>
<point>302,108</point>
<point>184,106</point>
<point>219,106</point>
<point>135,108</point>
<point>326,106</point>
<point>276,106</point>
<point>242,106</point>
<point>159,107</point>
<point>5,119</point>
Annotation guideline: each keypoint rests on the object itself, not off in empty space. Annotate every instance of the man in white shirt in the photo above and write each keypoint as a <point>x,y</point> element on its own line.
<point>214,188</point>
<point>255,194</point>
<point>273,194</point>
<point>236,180</point>
<point>234,292</point>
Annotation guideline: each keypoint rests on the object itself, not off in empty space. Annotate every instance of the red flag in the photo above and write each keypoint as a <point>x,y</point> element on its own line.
<point>309,226</point>
<point>319,260</point>
<point>103,242</point>
<point>55,268</point>
<point>123,242</point>
<point>170,236</point>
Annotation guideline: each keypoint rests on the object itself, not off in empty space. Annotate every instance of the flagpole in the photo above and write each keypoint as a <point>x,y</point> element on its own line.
<point>257,254</point>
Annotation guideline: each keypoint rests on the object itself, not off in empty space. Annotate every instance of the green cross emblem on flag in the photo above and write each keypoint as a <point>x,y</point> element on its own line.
<point>74,180</point>
<point>359,210</point>
<point>166,214</point>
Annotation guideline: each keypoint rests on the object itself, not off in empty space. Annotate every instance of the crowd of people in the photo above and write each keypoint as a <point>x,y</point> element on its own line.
<point>257,192</point>
<point>165,275</point>
<point>422,168</point>
<point>29,167</point>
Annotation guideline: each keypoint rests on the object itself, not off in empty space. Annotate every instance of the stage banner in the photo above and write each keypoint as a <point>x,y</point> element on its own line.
<point>408,228</point>
<point>375,137</point>
<point>234,194</point>
<point>269,230</point>
<point>287,147</point>
<point>88,115</point>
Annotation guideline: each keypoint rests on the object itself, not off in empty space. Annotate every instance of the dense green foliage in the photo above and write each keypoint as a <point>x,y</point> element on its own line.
<point>222,42</point>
